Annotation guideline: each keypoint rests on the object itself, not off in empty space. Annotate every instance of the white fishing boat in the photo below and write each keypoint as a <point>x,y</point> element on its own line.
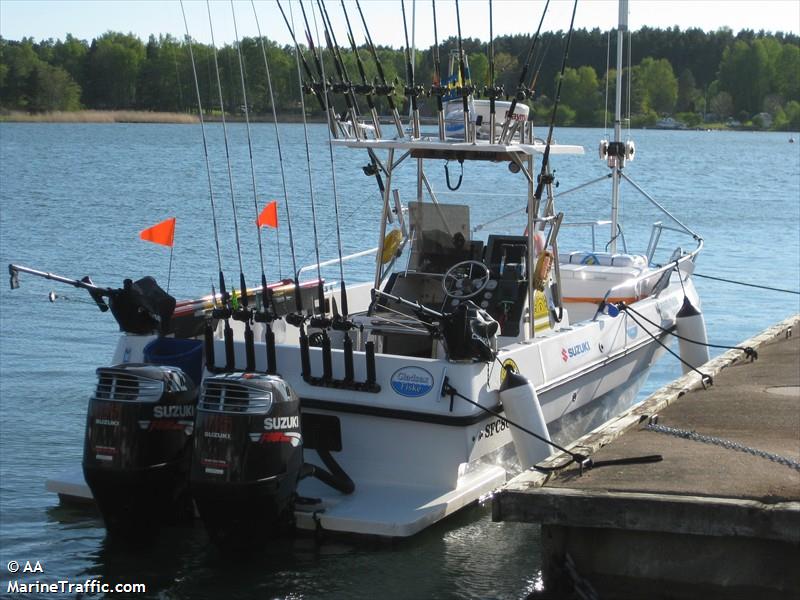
<point>394,402</point>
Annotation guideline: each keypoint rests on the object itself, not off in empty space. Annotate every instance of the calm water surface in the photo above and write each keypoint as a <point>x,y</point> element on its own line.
<point>72,201</point>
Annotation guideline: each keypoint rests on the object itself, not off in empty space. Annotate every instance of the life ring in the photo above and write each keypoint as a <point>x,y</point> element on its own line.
<point>590,259</point>
<point>390,245</point>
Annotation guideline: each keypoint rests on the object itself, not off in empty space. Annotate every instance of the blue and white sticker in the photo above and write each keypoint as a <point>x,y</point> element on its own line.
<point>412,382</point>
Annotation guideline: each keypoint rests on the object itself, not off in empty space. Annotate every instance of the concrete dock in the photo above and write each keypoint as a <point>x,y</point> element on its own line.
<point>717,517</point>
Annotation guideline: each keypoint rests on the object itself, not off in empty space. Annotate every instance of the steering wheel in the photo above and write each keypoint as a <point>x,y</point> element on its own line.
<point>465,279</point>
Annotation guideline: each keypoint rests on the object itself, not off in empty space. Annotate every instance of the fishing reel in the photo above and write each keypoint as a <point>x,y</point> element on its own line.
<point>493,92</point>
<point>364,89</point>
<point>523,93</point>
<point>384,90</point>
<point>417,91</point>
<point>342,87</point>
<point>437,90</point>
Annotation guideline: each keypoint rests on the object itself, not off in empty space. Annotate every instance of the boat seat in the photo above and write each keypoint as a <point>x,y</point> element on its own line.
<point>605,259</point>
<point>584,284</point>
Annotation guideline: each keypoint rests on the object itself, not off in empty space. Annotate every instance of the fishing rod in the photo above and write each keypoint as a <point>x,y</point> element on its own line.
<point>411,90</point>
<point>267,297</point>
<point>246,314</point>
<point>384,89</point>
<point>340,322</point>
<point>492,90</point>
<point>437,89</point>
<point>345,86</point>
<point>224,312</point>
<point>365,88</point>
<point>545,177</point>
<point>313,86</point>
<point>320,321</point>
<point>466,89</point>
<point>238,314</point>
<point>523,91</point>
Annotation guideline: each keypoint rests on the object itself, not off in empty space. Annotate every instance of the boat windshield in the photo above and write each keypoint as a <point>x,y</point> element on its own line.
<point>440,237</point>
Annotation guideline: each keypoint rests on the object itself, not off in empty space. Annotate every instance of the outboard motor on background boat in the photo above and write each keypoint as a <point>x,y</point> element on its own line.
<point>248,458</point>
<point>137,450</point>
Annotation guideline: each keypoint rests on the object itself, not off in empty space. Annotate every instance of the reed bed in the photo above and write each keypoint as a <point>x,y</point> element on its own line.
<point>98,116</point>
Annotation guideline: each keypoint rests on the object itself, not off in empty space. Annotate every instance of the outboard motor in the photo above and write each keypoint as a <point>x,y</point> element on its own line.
<point>248,458</point>
<point>137,451</point>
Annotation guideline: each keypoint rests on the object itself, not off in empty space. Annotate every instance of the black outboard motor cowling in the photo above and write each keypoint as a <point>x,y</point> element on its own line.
<point>137,451</point>
<point>248,457</point>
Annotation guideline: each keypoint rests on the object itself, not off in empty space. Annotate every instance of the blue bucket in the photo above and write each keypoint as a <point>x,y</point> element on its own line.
<point>185,354</point>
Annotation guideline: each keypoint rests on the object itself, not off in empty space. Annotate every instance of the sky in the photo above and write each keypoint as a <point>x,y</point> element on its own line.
<point>86,19</point>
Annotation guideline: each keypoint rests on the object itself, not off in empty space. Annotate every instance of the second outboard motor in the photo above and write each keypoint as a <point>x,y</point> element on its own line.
<point>137,450</point>
<point>248,458</point>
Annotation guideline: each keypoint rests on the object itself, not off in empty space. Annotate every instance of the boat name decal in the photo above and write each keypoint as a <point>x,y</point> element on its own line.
<point>573,351</point>
<point>491,428</point>
<point>412,382</point>
<point>271,423</point>
<point>177,410</point>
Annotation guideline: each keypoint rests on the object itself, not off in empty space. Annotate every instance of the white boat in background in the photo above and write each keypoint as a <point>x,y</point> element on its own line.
<point>409,403</point>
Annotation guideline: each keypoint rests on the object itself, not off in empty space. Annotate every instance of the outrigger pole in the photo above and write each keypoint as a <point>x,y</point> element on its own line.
<point>384,89</point>
<point>523,90</point>
<point>238,314</point>
<point>225,311</point>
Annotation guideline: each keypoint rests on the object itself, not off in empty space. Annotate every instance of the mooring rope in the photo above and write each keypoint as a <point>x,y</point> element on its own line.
<point>753,285</point>
<point>749,351</point>
<point>704,378</point>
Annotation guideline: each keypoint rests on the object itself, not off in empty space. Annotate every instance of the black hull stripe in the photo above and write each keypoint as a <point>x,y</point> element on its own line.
<point>394,413</point>
<point>453,421</point>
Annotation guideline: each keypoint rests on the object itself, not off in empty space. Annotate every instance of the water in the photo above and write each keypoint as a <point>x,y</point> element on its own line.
<point>72,201</point>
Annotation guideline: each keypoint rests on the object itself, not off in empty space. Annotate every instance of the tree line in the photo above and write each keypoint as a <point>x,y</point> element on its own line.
<point>692,74</point>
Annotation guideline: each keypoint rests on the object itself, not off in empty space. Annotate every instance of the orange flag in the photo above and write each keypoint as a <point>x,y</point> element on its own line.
<point>269,216</point>
<point>162,233</point>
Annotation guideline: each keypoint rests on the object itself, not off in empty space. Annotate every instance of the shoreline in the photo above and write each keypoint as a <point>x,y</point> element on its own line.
<point>154,117</point>
<point>138,116</point>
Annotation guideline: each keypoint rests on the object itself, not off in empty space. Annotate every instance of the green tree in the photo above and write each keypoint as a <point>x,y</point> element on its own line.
<point>745,74</point>
<point>115,60</point>
<point>658,85</point>
<point>580,91</point>
<point>787,72</point>
<point>54,90</point>
<point>722,105</point>
<point>688,94</point>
